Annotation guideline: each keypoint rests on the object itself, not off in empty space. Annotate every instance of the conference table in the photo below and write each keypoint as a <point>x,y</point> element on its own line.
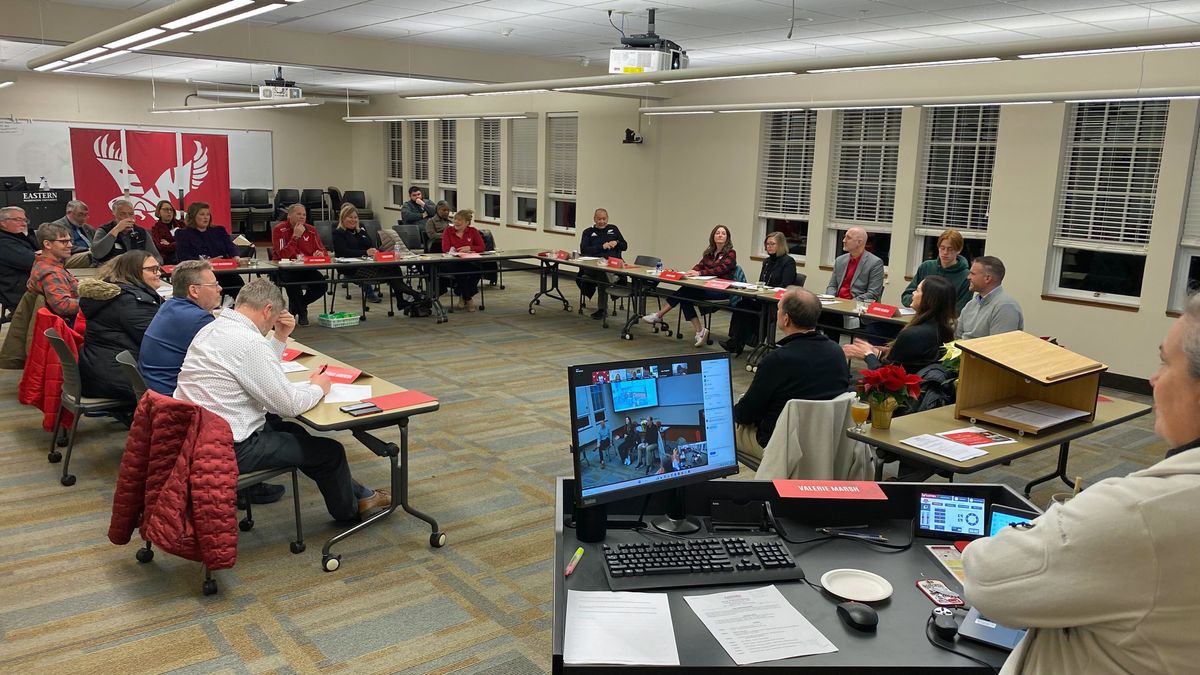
<point>1109,413</point>
<point>328,417</point>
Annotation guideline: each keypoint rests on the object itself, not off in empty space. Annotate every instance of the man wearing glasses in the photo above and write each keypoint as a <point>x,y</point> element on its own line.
<point>16,255</point>
<point>49,277</point>
<point>195,293</point>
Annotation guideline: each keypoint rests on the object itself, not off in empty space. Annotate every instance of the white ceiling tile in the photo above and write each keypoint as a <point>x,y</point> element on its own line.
<point>1059,6</point>
<point>995,10</point>
<point>380,9</point>
<point>1031,21</point>
<point>933,42</point>
<point>1065,30</point>
<point>839,41</point>
<point>891,35</point>
<point>1178,7</point>
<point>1110,14</point>
<point>451,20</point>
<point>1001,36</point>
<point>956,29</point>
<point>422,6</point>
<point>935,5</point>
<point>1135,25</point>
<point>329,23</point>
<point>522,6</point>
<point>914,20</point>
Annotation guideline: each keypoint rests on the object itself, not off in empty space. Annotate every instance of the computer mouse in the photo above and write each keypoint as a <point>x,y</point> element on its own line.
<point>858,616</point>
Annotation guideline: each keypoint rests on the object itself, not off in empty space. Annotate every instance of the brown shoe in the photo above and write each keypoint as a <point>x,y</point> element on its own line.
<point>380,499</point>
<point>469,304</point>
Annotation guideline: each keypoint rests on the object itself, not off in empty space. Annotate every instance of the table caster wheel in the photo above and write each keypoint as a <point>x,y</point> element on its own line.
<point>531,310</point>
<point>437,539</point>
<point>144,555</point>
<point>67,480</point>
<point>749,368</point>
<point>297,547</point>
<point>245,524</point>
<point>537,302</point>
<point>54,457</point>
<point>627,336</point>
<point>331,562</point>
<point>566,307</point>
<point>209,587</point>
<point>972,420</point>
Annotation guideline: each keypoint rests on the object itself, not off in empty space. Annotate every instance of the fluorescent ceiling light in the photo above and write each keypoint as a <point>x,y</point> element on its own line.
<point>917,64</point>
<point>862,107</point>
<point>448,116</point>
<point>136,37</point>
<point>153,43</point>
<point>761,110</point>
<point>1109,50</point>
<point>50,66</point>
<point>237,105</point>
<point>108,56</point>
<point>683,112</point>
<point>619,85</point>
<point>7,83</point>
<point>510,93</point>
<point>207,14</point>
<point>432,97</point>
<point>729,77</point>
<point>81,56</point>
<point>72,66</point>
<point>244,15</point>
<point>1107,99</point>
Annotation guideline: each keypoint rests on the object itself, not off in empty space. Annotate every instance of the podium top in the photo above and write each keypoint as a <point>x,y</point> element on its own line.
<point>1031,357</point>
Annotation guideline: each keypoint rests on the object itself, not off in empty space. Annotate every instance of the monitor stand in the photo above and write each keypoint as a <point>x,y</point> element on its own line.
<point>676,521</point>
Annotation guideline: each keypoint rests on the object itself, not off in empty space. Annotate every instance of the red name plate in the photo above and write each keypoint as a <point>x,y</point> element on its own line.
<point>167,269</point>
<point>290,354</point>
<point>880,309</point>
<point>339,374</point>
<point>829,489</point>
<point>615,262</point>
<point>543,254</point>
<point>719,284</point>
<point>317,260</point>
<point>562,255</point>
<point>223,263</point>
<point>385,256</point>
<point>779,293</point>
<point>671,275</point>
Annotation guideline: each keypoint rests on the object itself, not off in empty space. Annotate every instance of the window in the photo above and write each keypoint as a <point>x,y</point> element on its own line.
<point>488,157</point>
<point>1106,199</point>
<point>450,196</point>
<point>785,177</point>
<point>420,154</point>
<point>956,177</point>
<point>447,174</point>
<point>522,170</point>
<point>865,154</point>
<point>1187,267</point>
<point>395,163</point>
<point>562,133</point>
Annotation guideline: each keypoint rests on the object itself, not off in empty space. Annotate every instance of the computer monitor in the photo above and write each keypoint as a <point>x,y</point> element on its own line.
<point>656,424</point>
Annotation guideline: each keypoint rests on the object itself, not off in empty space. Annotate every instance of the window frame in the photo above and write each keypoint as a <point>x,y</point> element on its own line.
<point>888,144</point>
<point>561,189</point>
<point>1189,231</point>
<point>523,168</point>
<point>489,144</point>
<point>802,123</point>
<point>447,160</point>
<point>418,165</point>
<point>393,161</point>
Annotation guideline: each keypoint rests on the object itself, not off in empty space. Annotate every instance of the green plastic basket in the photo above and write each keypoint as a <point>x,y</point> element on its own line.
<point>338,319</point>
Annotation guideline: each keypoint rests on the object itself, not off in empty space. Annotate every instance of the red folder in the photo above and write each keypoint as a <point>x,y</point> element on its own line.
<point>317,260</point>
<point>829,489</point>
<point>779,293</point>
<point>290,354</point>
<point>343,375</point>
<point>385,256</point>
<point>671,275</point>
<point>880,309</point>
<point>403,399</point>
<point>223,263</point>
<point>719,284</point>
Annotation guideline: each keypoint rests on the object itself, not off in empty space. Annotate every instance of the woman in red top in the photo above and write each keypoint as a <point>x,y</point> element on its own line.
<point>463,238</point>
<point>162,231</point>
<point>291,238</point>
<point>719,260</point>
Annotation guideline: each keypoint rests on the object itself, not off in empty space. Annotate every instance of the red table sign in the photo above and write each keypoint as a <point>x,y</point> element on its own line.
<point>719,284</point>
<point>167,269</point>
<point>671,275</point>
<point>317,260</point>
<point>829,489</point>
<point>290,354</point>
<point>562,255</point>
<point>880,309</point>
<point>615,262</point>
<point>779,293</point>
<point>403,399</point>
<point>385,256</point>
<point>223,263</point>
<point>344,375</point>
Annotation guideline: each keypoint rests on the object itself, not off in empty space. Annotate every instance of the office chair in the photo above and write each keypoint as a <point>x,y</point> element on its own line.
<point>283,199</point>
<point>314,201</point>
<point>493,272</point>
<point>74,402</point>
<point>359,199</point>
<point>410,234</point>
<point>129,367</point>
<point>810,442</point>
<point>623,294</point>
<point>335,199</point>
<point>239,211</point>
<point>706,311</point>
<point>261,209</point>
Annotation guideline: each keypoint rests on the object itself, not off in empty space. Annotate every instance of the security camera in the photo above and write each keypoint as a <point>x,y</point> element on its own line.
<point>632,136</point>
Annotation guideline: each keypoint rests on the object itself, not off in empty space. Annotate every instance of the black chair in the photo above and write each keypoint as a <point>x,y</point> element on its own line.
<point>261,209</point>
<point>314,201</point>
<point>239,212</point>
<point>129,366</point>
<point>410,234</point>
<point>73,401</point>
<point>359,199</point>
<point>283,199</point>
<point>372,228</point>
<point>335,199</point>
<point>494,271</point>
<point>621,294</point>
<point>325,231</point>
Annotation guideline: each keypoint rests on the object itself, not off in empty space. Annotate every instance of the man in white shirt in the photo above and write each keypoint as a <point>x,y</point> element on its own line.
<point>233,369</point>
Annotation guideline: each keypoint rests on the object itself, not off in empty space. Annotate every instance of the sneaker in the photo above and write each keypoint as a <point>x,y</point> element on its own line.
<point>598,314</point>
<point>262,493</point>
<point>701,337</point>
<point>469,304</point>
<point>375,297</point>
<point>379,499</point>
<point>651,318</point>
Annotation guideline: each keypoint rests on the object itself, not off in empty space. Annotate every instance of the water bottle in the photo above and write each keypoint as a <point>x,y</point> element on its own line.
<point>44,185</point>
<point>396,249</point>
<point>658,268</point>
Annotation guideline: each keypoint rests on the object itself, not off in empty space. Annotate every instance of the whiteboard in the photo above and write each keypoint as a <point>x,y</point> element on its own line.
<point>38,148</point>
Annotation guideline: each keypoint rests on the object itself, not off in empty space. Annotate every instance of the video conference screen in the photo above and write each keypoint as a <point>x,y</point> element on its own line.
<point>651,424</point>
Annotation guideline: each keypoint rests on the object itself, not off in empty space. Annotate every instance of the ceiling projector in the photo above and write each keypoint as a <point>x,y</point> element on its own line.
<point>646,53</point>
<point>279,88</point>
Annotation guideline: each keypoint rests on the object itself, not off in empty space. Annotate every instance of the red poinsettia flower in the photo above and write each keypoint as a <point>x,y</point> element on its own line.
<point>890,381</point>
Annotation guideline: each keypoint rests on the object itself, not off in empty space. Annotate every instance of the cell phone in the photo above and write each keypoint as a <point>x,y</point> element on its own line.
<point>939,593</point>
<point>365,411</point>
<point>351,407</point>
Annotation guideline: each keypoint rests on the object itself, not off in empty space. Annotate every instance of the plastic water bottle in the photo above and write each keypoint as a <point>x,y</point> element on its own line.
<point>658,268</point>
<point>44,185</point>
<point>396,248</point>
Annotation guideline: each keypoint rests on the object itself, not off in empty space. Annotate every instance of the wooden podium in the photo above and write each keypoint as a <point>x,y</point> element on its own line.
<point>1022,382</point>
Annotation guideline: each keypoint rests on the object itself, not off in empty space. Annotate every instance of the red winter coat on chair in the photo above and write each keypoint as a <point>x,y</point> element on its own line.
<point>178,482</point>
<point>41,382</point>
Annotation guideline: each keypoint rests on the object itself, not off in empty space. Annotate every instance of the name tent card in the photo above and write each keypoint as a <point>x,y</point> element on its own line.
<point>223,263</point>
<point>671,275</point>
<point>317,260</point>
<point>615,262</point>
<point>779,293</point>
<point>343,375</point>
<point>719,284</point>
<point>403,399</point>
<point>880,309</point>
<point>290,354</point>
<point>385,256</point>
<point>829,489</point>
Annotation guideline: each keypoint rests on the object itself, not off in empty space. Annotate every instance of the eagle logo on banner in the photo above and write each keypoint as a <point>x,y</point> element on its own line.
<point>188,176</point>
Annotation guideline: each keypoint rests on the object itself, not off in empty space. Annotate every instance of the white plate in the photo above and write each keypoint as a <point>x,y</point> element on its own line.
<point>859,585</point>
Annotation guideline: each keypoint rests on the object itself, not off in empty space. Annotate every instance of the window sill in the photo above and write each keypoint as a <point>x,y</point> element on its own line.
<point>392,208</point>
<point>522,226</point>
<point>489,221</point>
<point>1092,303</point>
<point>560,230</point>
<point>1174,314</point>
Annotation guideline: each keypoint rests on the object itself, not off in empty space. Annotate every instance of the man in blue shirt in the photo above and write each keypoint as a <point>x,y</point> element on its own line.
<point>195,294</point>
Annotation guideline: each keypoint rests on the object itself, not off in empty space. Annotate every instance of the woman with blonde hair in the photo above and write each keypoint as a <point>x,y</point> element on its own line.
<point>778,270</point>
<point>352,241</point>
<point>463,238</point>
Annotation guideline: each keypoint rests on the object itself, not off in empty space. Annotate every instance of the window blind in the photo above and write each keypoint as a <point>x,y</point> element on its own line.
<point>447,149</point>
<point>489,154</point>
<point>1191,217</point>
<point>563,141</point>
<point>395,157</point>
<point>1110,175</point>
<point>866,150</point>
<point>420,150</point>
<point>786,163</point>
<point>960,153</point>
<point>523,155</point>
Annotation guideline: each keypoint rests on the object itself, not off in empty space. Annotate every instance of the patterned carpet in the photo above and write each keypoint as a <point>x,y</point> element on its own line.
<point>483,465</point>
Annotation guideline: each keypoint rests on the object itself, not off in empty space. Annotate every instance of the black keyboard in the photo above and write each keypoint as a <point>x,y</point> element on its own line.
<point>699,562</point>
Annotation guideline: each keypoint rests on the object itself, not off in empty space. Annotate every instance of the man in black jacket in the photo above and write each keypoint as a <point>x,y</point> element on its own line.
<point>806,365</point>
<point>601,240</point>
<point>417,208</point>
<point>16,255</point>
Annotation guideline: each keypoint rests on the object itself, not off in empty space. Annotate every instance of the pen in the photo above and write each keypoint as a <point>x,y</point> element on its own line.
<point>322,368</point>
<point>574,561</point>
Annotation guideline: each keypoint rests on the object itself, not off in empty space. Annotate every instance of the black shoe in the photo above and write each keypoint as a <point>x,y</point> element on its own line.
<point>303,320</point>
<point>599,314</point>
<point>262,493</point>
<point>732,346</point>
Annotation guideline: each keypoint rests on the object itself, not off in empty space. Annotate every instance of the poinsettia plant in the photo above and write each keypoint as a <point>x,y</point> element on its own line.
<point>889,382</point>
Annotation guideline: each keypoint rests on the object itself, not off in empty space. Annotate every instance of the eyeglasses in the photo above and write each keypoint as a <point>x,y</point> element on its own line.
<point>62,241</point>
<point>213,284</point>
<point>19,220</point>
<point>152,268</point>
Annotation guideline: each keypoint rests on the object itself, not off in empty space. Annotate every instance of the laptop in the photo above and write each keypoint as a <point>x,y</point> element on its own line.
<point>976,626</point>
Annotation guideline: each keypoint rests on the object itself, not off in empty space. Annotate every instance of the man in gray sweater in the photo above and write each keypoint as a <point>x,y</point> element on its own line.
<point>992,310</point>
<point>1106,582</point>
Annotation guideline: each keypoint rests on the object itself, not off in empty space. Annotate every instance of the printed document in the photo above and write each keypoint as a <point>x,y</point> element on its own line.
<point>632,629</point>
<point>758,625</point>
<point>346,393</point>
<point>291,366</point>
<point>940,446</point>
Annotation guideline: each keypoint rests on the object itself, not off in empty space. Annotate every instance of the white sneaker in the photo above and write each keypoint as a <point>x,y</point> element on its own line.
<point>701,337</point>
<point>651,318</point>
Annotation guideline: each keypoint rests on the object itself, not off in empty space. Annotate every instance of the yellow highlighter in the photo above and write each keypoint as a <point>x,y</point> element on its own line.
<point>574,561</point>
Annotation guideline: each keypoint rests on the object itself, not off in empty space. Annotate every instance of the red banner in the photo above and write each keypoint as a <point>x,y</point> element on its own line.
<point>204,173</point>
<point>151,157</point>
<point>98,161</point>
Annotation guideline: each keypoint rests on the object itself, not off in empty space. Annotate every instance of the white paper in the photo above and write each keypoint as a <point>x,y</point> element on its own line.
<point>622,628</point>
<point>1059,412</point>
<point>347,260</point>
<point>346,393</point>
<point>829,302</point>
<point>940,446</point>
<point>1011,413</point>
<point>242,241</point>
<point>587,257</point>
<point>996,439</point>
<point>291,366</point>
<point>905,311</point>
<point>165,290</point>
<point>758,625</point>
<point>702,277</point>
